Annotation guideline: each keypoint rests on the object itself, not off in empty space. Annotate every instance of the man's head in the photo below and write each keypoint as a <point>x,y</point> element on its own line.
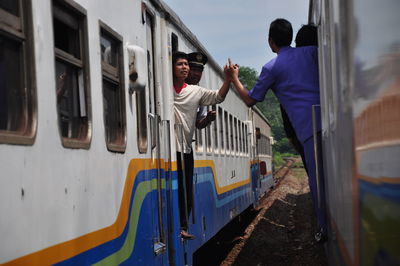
<point>180,65</point>
<point>280,34</point>
<point>306,36</point>
<point>197,60</point>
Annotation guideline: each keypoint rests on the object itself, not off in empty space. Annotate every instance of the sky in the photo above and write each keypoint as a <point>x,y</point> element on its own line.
<point>238,29</point>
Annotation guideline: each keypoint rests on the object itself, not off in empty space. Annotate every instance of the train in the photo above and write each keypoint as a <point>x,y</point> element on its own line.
<point>87,152</point>
<point>359,65</point>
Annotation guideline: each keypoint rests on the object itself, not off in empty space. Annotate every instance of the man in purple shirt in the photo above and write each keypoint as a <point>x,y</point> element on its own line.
<point>293,77</point>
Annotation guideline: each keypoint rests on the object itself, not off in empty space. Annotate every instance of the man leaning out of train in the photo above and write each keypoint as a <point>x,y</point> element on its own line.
<point>293,77</point>
<point>187,99</point>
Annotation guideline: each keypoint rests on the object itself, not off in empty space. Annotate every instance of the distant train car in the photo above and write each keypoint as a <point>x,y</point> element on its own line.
<point>262,167</point>
<point>359,59</point>
<point>87,150</point>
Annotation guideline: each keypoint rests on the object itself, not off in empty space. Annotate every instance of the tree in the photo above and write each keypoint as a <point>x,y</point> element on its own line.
<point>248,76</point>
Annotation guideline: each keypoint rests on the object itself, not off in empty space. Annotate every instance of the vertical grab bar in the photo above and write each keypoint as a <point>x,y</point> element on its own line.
<point>315,138</point>
<point>155,139</point>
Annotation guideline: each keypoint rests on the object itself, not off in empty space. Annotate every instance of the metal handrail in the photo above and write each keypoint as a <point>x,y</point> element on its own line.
<point>315,138</point>
<point>155,136</point>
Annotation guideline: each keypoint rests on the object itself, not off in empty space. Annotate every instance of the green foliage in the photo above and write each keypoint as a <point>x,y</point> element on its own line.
<point>277,160</point>
<point>248,76</point>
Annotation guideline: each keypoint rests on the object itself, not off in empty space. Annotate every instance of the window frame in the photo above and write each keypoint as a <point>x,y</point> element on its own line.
<point>114,75</point>
<point>20,29</point>
<point>68,7</point>
<point>226,127</point>
<point>231,137</point>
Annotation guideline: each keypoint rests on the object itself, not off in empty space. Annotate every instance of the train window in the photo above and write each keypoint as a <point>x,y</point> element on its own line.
<point>18,113</point>
<point>243,140</point>
<point>72,84</point>
<point>221,128</point>
<point>199,140</point>
<point>246,141</point>
<point>11,7</point>
<point>208,136</point>
<point>174,42</point>
<point>226,130</point>
<point>215,130</point>
<point>113,89</point>
<point>240,137</point>
<point>235,131</point>
<point>231,134</point>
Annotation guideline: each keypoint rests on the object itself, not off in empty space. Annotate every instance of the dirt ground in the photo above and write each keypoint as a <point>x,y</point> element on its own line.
<point>282,233</point>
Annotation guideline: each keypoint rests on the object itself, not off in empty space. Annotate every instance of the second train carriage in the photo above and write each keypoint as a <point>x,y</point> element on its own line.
<point>359,59</point>
<point>87,153</point>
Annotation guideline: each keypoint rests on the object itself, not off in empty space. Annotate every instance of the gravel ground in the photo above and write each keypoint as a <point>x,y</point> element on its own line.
<point>283,231</point>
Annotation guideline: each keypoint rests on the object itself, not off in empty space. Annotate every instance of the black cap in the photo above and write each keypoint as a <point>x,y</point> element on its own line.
<point>197,59</point>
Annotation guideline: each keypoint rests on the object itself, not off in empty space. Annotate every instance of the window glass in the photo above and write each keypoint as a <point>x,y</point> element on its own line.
<point>66,38</point>
<point>215,130</point>
<point>72,88</point>
<point>231,133</point>
<point>240,136</point>
<point>11,85</point>
<point>226,130</point>
<point>199,139</point>
<point>208,135</point>
<point>109,50</point>
<point>236,134</point>
<point>17,68</point>
<point>71,104</point>
<point>113,90</point>
<point>11,6</point>
<point>221,127</point>
<point>246,140</point>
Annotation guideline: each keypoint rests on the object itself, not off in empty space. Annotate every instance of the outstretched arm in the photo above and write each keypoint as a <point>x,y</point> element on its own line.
<point>243,92</point>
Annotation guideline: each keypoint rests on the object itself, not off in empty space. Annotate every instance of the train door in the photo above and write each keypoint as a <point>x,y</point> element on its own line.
<point>155,140</point>
<point>257,175</point>
<point>254,159</point>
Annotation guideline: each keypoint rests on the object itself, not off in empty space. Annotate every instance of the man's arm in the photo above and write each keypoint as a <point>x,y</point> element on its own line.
<point>243,92</point>
<point>205,121</point>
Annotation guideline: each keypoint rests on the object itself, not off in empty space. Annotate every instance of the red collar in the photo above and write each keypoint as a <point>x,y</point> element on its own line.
<point>178,90</point>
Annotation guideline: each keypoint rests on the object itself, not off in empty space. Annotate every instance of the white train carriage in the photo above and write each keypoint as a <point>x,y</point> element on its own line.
<point>87,152</point>
<point>359,60</point>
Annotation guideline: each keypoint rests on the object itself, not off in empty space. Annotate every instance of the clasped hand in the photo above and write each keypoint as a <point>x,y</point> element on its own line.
<point>231,70</point>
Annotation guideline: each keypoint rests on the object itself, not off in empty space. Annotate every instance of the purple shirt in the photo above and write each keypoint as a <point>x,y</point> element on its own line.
<point>293,77</point>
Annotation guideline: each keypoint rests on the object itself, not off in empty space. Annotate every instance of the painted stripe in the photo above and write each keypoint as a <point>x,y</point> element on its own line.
<point>125,252</point>
<point>69,249</point>
<point>220,189</point>
<point>66,250</point>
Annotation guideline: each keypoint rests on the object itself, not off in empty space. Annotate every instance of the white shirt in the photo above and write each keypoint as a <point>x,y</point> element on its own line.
<point>185,108</point>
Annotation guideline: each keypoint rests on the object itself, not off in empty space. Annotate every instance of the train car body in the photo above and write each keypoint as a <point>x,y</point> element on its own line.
<point>87,146</point>
<point>261,168</point>
<point>359,59</point>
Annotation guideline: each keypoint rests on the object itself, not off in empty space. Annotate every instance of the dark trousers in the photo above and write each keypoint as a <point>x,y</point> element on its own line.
<point>312,179</point>
<point>188,166</point>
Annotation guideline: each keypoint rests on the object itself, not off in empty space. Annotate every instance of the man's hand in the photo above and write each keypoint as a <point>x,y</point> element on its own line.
<point>211,115</point>
<point>202,123</point>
